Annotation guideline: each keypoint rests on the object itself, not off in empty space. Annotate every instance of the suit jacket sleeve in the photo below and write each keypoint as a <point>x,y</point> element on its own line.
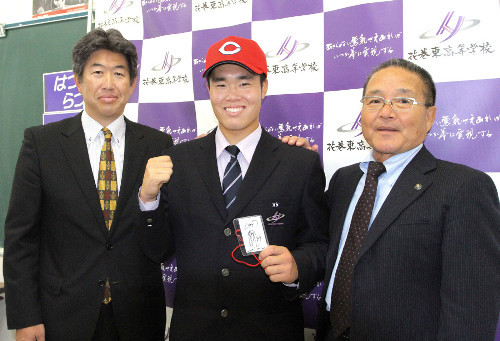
<point>312,243</point>
<point>471,262</point>
<point>22,238</point>
<point>155,234</point>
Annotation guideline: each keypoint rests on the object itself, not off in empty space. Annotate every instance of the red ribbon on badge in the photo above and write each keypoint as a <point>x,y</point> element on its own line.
<point>240,245</point>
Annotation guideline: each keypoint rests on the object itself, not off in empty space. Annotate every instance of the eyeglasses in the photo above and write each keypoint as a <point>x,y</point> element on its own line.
<point>397,103</point>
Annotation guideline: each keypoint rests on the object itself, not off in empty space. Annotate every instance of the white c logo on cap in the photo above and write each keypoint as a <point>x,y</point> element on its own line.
<point>224,51</point>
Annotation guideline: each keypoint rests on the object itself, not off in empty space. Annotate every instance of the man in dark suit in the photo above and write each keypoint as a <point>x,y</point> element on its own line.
<point>63,258</point>
<point>428,268</point>
<point>218,297</point>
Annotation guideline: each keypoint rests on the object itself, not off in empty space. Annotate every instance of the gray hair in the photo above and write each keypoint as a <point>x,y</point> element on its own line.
<point>111,40</point>
<point>429,87</point>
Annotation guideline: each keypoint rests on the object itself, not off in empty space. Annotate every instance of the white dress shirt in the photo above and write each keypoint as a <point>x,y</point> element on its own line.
<point>247,148</point>
<point>94,137</point>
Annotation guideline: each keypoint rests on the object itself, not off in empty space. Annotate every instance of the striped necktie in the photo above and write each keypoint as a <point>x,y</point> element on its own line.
<point>232,177</point>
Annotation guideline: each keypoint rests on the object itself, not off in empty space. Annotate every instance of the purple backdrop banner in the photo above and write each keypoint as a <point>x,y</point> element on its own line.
<point>468,123</point>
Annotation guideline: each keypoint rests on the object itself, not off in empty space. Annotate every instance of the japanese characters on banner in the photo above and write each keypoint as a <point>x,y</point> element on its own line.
<point>319,53</point>
<point>61,98</point>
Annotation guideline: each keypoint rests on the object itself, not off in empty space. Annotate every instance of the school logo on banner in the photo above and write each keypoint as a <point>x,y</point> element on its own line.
<point>352,126</point>
<point>168,62</point>
<point>117,5</point>
<point>451,25</point>
<point>287,49</point>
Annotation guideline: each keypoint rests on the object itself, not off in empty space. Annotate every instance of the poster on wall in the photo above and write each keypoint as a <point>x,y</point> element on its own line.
<point>49,8</point>
<point>61,98</point>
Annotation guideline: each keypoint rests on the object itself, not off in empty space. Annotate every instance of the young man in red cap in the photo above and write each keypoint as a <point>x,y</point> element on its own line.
<point>237,185</point>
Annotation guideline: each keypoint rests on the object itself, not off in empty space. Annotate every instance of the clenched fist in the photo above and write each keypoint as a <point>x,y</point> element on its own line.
<point>158,172</point>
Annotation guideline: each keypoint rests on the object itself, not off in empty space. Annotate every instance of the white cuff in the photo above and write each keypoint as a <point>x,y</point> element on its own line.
<point>149,206</point>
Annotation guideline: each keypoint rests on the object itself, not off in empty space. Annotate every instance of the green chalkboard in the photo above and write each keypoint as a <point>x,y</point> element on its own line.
<point>25,55</point>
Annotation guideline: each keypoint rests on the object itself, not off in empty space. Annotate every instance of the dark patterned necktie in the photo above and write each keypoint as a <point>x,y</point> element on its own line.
<point>340,307</point>
<point>232,177</point>
<point>108,191</point>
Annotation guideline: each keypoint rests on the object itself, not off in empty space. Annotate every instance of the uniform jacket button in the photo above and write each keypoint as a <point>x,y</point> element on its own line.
<point>224,313</point>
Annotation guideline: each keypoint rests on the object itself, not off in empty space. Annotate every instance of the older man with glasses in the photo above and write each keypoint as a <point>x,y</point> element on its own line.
<point>414,241</point>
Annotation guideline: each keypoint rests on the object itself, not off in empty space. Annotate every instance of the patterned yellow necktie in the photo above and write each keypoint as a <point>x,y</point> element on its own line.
<point>108,191</point>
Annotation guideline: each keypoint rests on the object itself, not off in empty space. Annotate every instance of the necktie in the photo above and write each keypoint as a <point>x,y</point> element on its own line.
<point>107,185</point>
<point>108,191</point>
<point>232,177</point>
<point>340,307</point>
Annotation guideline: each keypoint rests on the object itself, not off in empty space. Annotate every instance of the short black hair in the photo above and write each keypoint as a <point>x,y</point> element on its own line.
<point>111,40</point>
<point>429,86</point>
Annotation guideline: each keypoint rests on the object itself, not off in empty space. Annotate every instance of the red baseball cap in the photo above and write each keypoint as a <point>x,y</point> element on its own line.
<point>236,50</point>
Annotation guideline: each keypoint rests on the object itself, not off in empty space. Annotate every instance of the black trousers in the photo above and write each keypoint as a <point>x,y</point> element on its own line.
<point>106,329</point>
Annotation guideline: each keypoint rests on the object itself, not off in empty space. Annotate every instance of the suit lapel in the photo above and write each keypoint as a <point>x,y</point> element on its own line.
<point>264,161</point>
<point>135,149</point>
<point>75,150</point>
<point>206,162</point>
<point>404,192</point>
<point>344,189</point>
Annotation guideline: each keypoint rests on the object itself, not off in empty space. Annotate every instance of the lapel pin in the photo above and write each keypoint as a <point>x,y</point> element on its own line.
<point>418,187</point>
<point>275,204</point>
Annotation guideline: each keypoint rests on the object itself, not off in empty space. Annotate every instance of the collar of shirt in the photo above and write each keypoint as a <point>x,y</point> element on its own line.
<point>92,129</point>
<point>247,148</point>
<point>394,165</point>
<point>95,140</point>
